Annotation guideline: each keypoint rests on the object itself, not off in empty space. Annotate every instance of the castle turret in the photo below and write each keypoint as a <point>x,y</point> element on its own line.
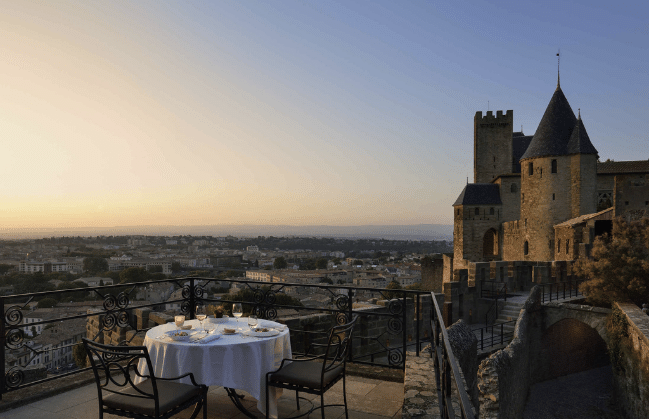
<point>558,177</point>
<point>492,145</point>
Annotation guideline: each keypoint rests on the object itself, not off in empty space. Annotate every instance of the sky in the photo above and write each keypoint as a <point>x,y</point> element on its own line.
<point>291,112</point>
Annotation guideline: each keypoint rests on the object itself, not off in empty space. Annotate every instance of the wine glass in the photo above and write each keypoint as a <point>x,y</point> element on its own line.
<point>252,322</point>
<point>201,315</point>
<point>237,310</point>
<point>180,320</point>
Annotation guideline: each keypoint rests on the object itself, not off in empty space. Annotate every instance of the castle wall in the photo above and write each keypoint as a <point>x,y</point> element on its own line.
<point>492,145</point>
<point>631,194</point>
<point>513,238</point>
<point>546,200</point>
<point>471,223</point>
<point>567,241</point>
<point>510,195</point>
<point>583,184</point>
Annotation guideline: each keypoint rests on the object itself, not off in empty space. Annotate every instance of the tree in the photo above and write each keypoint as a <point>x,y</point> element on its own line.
<point>619,268</point>
<point>326,281</point>
<point>4,268</point>
<point>79,355</point>
<point>176,267</point>
<point>393,285</point>
<point>47,302</point>
<point>93,265</point>
<point>321,263</point>
<point>280,263</point>
<point>133,274</point>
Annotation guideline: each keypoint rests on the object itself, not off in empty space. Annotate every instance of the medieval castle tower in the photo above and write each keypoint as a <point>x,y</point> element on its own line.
<point>538,201</point>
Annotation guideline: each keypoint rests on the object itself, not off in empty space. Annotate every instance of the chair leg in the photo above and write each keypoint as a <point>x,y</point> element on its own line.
<point>267,402</point>
<point>297,399</point>
<point>205,405</point>
<point>345,397</point>
<point>322,404</point>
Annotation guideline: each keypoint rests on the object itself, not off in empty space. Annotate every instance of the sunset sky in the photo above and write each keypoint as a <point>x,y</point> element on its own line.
<point>291,112</point>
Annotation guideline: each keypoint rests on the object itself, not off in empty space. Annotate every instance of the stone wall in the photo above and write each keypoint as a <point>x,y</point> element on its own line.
<point>504,379</point>
<point>510,196</point>
<point>432,274</point>
<point>465,349</point>
<point>546,200</point>
<point>631,194</point>
<point>630,355</point>
<point>470,229</point>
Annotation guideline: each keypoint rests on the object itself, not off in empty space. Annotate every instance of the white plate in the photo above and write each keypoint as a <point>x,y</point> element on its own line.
<point>271,332</point>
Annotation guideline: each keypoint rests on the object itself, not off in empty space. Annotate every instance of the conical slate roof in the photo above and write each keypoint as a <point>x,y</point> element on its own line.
<point>552,135</point>
<point>579,142</point>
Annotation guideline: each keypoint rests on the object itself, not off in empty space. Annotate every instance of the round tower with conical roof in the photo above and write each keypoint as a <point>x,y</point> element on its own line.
<point>558,177</point>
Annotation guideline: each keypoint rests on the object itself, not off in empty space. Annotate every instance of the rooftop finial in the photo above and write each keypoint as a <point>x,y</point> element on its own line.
<point>558,67</point>
<point>579,113</point>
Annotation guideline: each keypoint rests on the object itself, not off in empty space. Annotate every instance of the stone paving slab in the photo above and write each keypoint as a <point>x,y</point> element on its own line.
<point>367,398</point>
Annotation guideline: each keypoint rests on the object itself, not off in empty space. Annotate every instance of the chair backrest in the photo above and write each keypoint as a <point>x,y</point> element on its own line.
<point>340,340</point>
<point>115,363</point>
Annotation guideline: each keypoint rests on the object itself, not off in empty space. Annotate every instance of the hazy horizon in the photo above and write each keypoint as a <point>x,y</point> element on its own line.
<point>394,232</point>
<point>299,113</point>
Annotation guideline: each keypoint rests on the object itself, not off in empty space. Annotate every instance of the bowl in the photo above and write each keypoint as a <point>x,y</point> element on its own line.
<point>178,335</point>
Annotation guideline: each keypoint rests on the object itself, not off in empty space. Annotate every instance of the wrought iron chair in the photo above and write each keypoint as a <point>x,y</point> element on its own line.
<point>316,374</point>
<point>152,398</point>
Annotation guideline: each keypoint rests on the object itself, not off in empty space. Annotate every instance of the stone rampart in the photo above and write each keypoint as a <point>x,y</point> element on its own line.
<point>504,379</point>
<point>629,347</point>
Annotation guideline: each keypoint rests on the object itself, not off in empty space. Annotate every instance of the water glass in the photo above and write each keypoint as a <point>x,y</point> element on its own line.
<point>201,315</point>
<point>237,310</point>
<point>252,322</point>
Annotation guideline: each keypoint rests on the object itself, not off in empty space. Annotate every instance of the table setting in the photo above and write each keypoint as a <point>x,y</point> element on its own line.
<point>231,352</point>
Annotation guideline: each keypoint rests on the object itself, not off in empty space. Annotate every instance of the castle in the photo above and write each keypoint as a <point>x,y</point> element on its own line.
<point>537,203</point>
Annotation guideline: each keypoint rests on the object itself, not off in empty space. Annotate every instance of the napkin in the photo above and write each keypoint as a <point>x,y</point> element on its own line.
<point>210,337</point>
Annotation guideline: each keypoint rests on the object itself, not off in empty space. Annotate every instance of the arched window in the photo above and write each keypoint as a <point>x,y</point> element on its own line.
<point>526,248</point>
<point>491,211</point>
<point>554,166</point>
<point>513,188</point>
<point>477,211</point>
<point>530,168</point>
<point>558,245</point>
<point>567,246</point>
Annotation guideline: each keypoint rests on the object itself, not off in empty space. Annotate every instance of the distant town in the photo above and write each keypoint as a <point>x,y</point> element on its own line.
<point>67,263</point>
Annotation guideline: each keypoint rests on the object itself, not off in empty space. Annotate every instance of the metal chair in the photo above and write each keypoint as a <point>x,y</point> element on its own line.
<point>316,374</point>
<point>152,398</point>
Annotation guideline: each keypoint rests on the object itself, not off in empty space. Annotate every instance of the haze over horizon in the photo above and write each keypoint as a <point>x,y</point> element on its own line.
<point>292,113</point>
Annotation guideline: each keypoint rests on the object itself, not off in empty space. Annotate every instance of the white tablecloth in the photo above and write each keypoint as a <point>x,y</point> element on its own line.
<point>231,361</point>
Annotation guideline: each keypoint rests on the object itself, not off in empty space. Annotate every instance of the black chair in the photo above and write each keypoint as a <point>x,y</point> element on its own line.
<point>152,398</point>
<point>316,374</point>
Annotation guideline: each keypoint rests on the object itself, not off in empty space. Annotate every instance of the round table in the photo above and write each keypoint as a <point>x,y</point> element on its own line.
<point>231,361</point>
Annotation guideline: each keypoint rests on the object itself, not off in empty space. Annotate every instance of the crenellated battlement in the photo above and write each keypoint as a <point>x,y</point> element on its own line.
<point>508,116</point>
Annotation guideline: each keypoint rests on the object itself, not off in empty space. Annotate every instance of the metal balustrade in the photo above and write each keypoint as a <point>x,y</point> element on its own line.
<point>383,335</point>
<point>447,371</point>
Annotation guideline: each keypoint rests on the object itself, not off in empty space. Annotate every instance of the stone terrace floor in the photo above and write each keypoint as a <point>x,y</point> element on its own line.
<point>367,398</point>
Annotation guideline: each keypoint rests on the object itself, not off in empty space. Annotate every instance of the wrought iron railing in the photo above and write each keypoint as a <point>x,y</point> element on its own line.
<point>493,289</point>
<point>447,370</point>
<point>495,334</point>
<point>560,290</point>
<point>382,337</point>
<point>500,293</point>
